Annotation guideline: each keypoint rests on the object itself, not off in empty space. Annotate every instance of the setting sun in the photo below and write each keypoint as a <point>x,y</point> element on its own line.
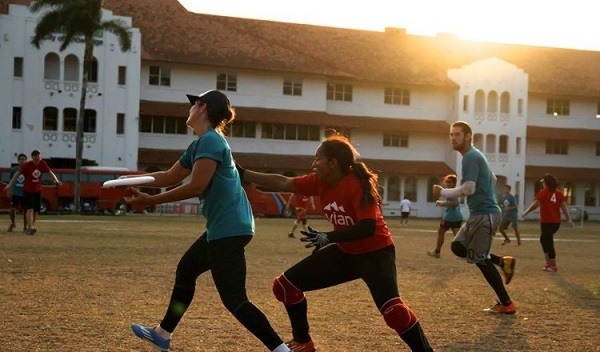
<point>541,23</point>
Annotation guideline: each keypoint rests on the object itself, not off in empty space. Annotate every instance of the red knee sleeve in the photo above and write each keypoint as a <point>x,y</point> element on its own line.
<point>285,292</point>
<point>398,316</point>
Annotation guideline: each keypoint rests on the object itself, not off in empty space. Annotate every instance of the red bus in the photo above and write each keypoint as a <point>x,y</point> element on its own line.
<point>93,197</point>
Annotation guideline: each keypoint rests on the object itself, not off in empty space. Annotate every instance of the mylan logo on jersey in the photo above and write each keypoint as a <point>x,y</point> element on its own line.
<point>333,214</point>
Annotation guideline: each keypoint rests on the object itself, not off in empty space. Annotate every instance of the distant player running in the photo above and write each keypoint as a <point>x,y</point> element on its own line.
<point>300,204</point>
<point>452,218</point>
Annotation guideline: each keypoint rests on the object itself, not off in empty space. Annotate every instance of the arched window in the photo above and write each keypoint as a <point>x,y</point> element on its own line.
<point>410,188</point>
<point>492,105</point>
<point>93,71</point>
<point>479,101</point>
<point>478,141</point>
<point>503,144</point>
<point>89,121</point>
<point>490,143</point>
<point>52,67</point>
<point>70,120</point>
<point>71,68</point>
<point>50,119</point>
<point>430,182</point>
<point>393,189</point>
<point>505,103</point>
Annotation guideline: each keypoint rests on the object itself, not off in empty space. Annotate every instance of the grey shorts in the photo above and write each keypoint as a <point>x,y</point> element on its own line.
<point>476,236</point>
<point>508,220</point>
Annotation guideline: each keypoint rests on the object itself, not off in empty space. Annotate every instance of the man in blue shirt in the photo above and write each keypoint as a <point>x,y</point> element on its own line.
<point>16,200</point>
<point>509,216</point>
<point>474,239</point>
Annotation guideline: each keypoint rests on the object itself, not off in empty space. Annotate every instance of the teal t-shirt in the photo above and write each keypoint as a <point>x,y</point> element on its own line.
<point>225,205</point>
<point>476,168</point>
<point>452,213</point>
<point>17,187</point>
<point>509,201</point>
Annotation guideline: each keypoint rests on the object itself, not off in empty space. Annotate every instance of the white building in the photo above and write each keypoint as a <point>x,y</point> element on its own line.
<point>533,110</point>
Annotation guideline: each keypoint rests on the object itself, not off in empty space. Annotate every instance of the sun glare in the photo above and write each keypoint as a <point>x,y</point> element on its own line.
<point>541,23</point>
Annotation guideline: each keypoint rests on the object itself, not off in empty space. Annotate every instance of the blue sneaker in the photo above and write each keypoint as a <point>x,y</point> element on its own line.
<point>148,334</point>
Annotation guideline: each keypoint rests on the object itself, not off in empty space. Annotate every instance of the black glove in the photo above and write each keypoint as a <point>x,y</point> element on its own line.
<point>240,170</point>
<point>314,238</point>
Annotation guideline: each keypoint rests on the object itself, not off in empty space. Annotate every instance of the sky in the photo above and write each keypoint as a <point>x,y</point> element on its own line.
<point>551,23</point>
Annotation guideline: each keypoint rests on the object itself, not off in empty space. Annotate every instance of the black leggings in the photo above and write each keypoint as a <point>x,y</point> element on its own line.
<point>547,238</point>
<point>226,260</point>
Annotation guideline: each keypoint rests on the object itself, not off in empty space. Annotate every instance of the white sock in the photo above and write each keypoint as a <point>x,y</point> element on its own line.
<point>282,348</point>
<point>162,332</point>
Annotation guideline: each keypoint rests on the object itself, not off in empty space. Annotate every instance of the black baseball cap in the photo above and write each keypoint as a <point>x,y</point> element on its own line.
<point>214,100</point>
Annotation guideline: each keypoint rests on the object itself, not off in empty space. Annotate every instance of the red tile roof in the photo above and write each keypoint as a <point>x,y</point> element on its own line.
<point>574,134</point>
<point>570,174</point>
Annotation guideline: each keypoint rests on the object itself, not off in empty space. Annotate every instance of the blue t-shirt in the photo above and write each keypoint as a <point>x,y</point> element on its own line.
<point>509,201</point>
<point>452,213</point>
<point>225,205</point>
<point>476,168</point>
<point>17,187</point>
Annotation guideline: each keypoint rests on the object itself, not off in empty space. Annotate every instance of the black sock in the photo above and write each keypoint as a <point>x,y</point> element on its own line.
<point>496,259</point>
<point>495,280</point>
<point>299,320</point>
<point>416,340</point>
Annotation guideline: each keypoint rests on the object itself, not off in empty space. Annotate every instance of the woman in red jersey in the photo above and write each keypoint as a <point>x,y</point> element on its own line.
<point>550,200</point>
<point>359,247</point>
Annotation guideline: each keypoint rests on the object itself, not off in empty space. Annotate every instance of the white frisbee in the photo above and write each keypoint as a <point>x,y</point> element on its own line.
<point>130,181</point>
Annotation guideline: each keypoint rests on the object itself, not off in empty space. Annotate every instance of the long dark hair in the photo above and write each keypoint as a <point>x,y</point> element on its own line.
<point>550,181</point>
<point>338,147</point>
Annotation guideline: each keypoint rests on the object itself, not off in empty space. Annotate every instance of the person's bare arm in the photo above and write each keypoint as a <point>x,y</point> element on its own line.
<point>275,182</point>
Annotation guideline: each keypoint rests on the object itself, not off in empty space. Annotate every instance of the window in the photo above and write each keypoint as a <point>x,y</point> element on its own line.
<point>503,144</point>
<point>52,67</point>
<point>520,107</point>
<point>558,107</point>
<point>122,76</point>
<point>344,131</point>
<point>396,96</point>
<point>518,145</point>
<point>18,112</point>
<point>395,140</point>
<point>569,192</point>
<point>18,67</point>
<point>430,182</point>
<point>227,82</point>
<point>93,71</point>
<point>505,102</point>
<point>292,86</point>
<point>159,124</point>
<point>243,129</point>
<point>120,123</point>
<point>478,141</point>
<point>393,190</point>
<point>465,103</point>
<point>69,120</point>
<point>590,195</point>
<point>89,121</point>
<point>597,148</point>
<point>290,132</point>
<point>410,188</point>
<point>555,146</point>
<point>160,76</point>
<point>598,111</point>
<point>50,119</point>
<point>340,92</point>
<point>71,68</point>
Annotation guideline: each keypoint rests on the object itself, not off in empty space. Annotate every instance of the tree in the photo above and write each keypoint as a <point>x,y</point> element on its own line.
<point>76,19</point>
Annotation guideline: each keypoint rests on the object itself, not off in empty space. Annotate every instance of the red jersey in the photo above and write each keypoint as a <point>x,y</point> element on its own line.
<point>300,201</point>
<point>341,206</point>
<point>550,202</point>
<point>33,175</point>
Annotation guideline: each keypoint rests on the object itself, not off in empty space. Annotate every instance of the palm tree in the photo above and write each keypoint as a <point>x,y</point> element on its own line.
<point>77,18</point>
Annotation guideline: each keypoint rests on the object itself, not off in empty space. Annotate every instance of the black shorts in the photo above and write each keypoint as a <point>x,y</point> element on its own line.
<point>446,225</point>
<point>32,200</point>
<point>17,202</point>
<point>404,214</point>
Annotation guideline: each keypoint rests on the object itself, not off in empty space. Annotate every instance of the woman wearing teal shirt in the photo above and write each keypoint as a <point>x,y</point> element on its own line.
<point>229,224</point>
<point>452,218</point>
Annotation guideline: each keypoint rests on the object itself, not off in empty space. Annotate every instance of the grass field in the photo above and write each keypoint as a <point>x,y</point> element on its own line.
<point>78,284</point>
